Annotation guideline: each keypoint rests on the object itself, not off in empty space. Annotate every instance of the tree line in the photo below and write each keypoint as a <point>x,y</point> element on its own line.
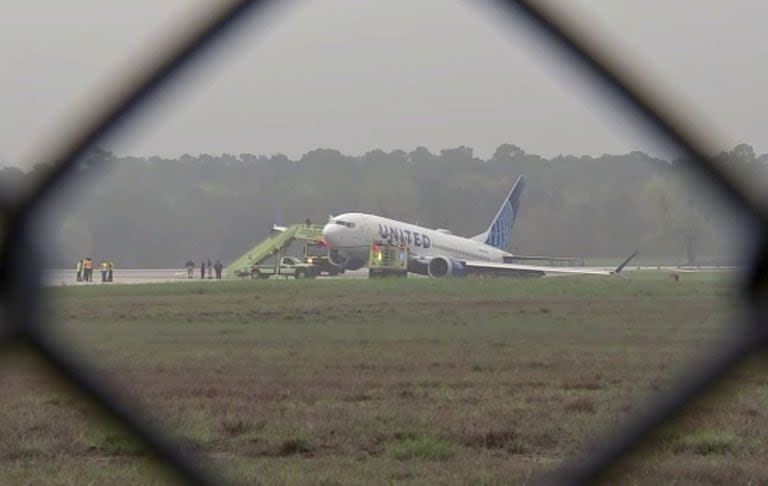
<point>157,212</point>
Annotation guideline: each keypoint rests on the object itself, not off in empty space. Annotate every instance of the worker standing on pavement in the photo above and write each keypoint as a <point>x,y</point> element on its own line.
<point>218,267</point>
<point>88,269</point>
<point>79,268</point>
<point>202,270</point>
<point>104,269</point>
<point>110,271</point>
<point>210,270</point>
<point>190,266</point>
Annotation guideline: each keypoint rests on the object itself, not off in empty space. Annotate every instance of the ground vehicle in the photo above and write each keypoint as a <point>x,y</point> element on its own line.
<point>316,253</point>
<point>286,266</point>
<point>276,244</point>
<point>388,260</point>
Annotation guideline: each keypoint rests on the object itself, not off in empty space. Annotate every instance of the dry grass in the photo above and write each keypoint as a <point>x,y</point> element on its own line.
<point>350,382</point>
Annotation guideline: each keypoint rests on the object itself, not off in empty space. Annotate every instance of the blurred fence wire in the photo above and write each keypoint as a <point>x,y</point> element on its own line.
<point>21,291</point>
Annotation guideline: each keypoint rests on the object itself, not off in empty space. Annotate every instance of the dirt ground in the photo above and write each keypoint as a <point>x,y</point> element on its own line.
<point>346,382</point>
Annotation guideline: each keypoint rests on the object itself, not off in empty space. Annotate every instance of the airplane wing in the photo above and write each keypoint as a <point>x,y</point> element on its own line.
<point>515,269</point>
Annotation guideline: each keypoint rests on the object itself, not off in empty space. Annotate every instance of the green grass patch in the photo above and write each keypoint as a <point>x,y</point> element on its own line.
<point>115,442</point>
<point>707,442</point>
<point>423,447</point>
<point>294,446</point>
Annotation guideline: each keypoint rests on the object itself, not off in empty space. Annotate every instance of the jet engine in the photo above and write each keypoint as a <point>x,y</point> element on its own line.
<point>345,262</point>
<point>439,267</point>
<point>337,258</point>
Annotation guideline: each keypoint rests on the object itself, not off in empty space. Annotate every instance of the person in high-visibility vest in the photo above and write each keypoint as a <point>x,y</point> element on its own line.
<point>104,269</point>
<point>88,269</point>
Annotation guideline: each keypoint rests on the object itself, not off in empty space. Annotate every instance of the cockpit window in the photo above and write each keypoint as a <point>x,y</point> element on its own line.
<point>344,223</point>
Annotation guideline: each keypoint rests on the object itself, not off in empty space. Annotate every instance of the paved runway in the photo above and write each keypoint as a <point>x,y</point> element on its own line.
<point>60,277</point>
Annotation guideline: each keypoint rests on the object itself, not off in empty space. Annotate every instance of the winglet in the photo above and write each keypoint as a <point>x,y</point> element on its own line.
<point>625,262</point>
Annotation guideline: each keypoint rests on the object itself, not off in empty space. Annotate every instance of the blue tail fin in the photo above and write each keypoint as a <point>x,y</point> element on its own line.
<point>500,231</point>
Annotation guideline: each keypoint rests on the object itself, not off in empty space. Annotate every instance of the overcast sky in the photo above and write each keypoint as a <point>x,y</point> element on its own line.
<point>391,74</point>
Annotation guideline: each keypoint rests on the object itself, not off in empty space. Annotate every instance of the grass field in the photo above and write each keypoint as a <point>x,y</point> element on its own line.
<point>419,381</point>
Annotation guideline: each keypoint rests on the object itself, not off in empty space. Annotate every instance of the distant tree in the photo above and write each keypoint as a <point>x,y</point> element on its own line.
<point>458,154</point>
<point>420,155</point>
<point>507,152</point>
<point>97,158</point>
<point>279,158</point>
<point>42,167</point>
<point>322,154</point>
<point>11,181</point>
<point>682,214</point>
<point>399,155</point>
<point>375,154</point>
<point>743,154</point>
<point>11,175</point>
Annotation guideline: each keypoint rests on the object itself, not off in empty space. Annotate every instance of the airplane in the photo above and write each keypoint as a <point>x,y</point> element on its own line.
<point>438,252</point>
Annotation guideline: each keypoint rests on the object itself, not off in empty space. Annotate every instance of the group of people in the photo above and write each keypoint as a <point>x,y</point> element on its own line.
<point>85,270</point>
<point>205,268</point>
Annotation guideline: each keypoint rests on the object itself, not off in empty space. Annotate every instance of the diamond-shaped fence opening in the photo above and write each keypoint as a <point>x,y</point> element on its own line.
<point>23,323</point>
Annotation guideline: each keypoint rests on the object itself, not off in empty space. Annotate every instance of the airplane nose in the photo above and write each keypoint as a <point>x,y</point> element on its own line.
<point>330,234</point>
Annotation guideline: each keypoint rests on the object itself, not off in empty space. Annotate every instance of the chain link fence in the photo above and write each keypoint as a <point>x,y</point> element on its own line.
<point>21,291</point>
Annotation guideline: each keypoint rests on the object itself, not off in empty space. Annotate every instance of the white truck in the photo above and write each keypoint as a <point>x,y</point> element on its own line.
<point>286,266</point>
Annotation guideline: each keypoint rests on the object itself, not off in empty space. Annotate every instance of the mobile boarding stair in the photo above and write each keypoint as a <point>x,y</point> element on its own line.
<point>279,239</point>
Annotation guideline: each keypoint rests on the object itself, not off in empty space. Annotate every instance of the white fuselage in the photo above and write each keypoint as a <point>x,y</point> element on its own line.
<point>353,233</point>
